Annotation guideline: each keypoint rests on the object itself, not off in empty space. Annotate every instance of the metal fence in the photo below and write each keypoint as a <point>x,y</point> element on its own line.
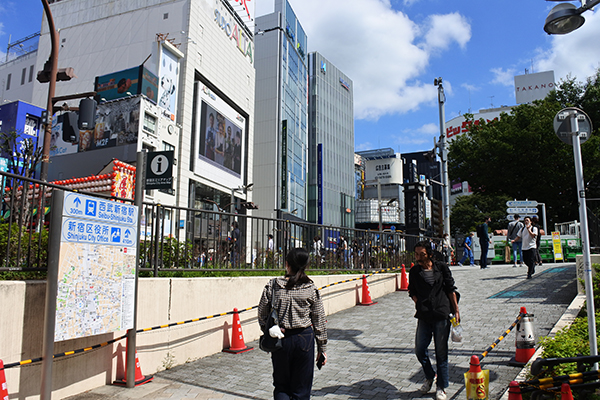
<point>187,239</point>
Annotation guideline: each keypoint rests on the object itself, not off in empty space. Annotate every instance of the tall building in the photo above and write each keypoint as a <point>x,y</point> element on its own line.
<point>331,184</point>
<point>281,115</point>
<point>198,56</point>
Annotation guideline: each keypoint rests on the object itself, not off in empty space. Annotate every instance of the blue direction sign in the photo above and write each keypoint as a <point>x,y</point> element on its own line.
<point>522,203</point>
<point>76,230</point>
<point>81,206</point>
<point>522,210</point>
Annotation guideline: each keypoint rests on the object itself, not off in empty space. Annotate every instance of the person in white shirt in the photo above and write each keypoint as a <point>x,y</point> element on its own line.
<point>527,235</point>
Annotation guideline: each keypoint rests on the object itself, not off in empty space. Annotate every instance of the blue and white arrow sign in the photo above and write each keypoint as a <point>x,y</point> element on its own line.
<point>96,209</point>
<point>522,210</point>
<point>521,203</point>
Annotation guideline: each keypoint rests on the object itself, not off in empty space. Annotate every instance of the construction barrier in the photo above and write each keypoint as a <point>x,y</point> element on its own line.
<point>3,387</point>
<point>403,279</point>
<point>514,391</point>
<point>237,337</point>
<point>366,295</point>
<point>112,341</point>
<point>500,338</point>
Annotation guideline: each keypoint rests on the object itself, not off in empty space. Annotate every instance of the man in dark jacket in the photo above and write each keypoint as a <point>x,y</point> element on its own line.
<point>431,286</point>
<point>484,242</point>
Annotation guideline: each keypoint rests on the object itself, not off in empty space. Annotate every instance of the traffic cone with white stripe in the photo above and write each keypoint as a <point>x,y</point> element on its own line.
<point>237,337</point>
<point>3,387</point>
<point>140,379</point>
<point>525,341</point>
<point>366,295</point>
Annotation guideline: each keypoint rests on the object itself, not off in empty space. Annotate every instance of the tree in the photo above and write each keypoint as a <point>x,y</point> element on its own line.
<point>23,156</point>
<point>520,157</point>
<point>469,211</point>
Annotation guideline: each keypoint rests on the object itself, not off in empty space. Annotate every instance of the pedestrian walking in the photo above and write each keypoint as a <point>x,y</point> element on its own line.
<point>468,250</point>
<point>514,227</point>
<point>447,249</point>
<point>302,320</point>
<point>431,287</point>
<point>528,234</point>
<point>484,241</point>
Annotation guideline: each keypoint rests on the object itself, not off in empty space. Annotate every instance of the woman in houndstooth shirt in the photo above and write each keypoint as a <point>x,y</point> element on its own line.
<point>302,321</point>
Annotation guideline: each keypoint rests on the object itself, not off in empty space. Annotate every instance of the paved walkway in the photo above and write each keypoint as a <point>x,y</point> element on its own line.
<point>370,349</point>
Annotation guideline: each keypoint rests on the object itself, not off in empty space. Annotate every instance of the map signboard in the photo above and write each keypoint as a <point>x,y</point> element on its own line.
<point>96,271</point>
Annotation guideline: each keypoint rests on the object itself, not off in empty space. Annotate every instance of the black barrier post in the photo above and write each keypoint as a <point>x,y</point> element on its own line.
<point>131,333</point>
<point>54,238</point>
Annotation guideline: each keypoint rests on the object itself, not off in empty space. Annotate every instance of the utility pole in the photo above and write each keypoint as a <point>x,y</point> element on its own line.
<point>443,145</point>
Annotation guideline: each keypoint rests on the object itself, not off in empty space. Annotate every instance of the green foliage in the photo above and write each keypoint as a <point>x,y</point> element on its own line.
<point>573,341</point>
<point>469,211</point>
<point>569,342</point>
<point>25,156</point>
<point>520,157</point>
<point>32,253</point>
<point>172,253</point>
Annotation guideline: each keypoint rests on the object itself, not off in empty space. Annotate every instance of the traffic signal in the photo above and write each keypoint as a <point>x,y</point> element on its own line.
<point>44,118</point>
<point>87,114</point>
<point>248,205</point>
<point>70,130</point>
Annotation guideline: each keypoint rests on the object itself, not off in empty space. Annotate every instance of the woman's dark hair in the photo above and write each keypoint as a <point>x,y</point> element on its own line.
<point>297,259</point>
<point>427,246</point>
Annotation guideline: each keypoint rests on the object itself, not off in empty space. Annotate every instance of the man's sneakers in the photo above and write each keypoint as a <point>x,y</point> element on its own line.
<point>427,386</point>
<point>440,394</point>
<point>460,264</point>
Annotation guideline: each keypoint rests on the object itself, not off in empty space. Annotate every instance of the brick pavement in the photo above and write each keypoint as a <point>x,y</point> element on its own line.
<point>371,348</point>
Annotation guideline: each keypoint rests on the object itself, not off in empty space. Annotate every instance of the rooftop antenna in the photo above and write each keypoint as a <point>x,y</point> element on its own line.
<point>492,101</point>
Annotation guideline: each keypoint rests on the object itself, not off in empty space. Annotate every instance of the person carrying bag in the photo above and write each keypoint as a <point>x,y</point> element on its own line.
<point>270,340</point>
<point>301,319</point>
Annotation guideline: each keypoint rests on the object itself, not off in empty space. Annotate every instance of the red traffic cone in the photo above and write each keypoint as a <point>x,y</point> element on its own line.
<point>565,392</point>
<point>525,340</point>
<point>366,296</point>
<point>140,379</point>
<point>3,387</point>
<point>404,279</point>
<point>474,365</point>
<point>237,337</point>
<point>514,391</point>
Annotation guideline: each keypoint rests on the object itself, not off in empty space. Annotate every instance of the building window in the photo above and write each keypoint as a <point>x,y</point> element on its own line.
<point>149,124</point>
<point>166,16</point>
<point>8,81</point>
<point>31,73</point>
<point>23,75</point>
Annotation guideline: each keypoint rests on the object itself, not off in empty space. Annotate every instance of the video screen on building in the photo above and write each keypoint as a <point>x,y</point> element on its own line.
<point>222,133</point>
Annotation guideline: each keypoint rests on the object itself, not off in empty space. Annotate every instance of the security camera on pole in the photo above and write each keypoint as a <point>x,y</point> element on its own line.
<point>574,127</point>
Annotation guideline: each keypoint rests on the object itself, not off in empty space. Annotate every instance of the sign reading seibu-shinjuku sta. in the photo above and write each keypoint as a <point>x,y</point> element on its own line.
<point>96,268</point>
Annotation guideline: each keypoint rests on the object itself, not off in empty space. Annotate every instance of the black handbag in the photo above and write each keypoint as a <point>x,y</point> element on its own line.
<point>266,342</point>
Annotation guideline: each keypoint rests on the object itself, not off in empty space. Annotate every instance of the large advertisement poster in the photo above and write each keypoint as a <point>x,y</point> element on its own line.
<point>132,81</point>
<point>168,75</point>
<point>387,170</point>
<point>117,124</point>
<point>222,134</point>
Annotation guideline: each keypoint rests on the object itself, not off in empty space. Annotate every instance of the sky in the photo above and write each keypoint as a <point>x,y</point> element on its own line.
<point>393,49</point>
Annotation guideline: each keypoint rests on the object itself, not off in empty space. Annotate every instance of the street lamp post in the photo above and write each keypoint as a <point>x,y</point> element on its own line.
<point>51,88</point>
<point>244,189</point>
<point>444,156</point>
<point>565,17</point>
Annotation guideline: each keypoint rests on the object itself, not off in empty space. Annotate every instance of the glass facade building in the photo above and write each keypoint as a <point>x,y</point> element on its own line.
<point>331,190</point>
<point>281,145</point>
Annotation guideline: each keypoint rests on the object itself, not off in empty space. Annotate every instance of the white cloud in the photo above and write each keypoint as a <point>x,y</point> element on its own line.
<point>445,29</point>
<point>503,76</point>
<point>563,59</point>
<point>379,48</point>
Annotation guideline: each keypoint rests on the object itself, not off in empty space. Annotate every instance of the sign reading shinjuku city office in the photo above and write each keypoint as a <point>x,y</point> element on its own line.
<point>96,267</point>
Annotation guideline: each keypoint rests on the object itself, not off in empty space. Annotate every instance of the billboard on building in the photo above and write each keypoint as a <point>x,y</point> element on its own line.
<point>387,170</point>
<point>245,10</point>
<point>132,81</point>
<point>459,125</point>
<point>220,138</point>
<point>530,87</point>
<point>168,75</point>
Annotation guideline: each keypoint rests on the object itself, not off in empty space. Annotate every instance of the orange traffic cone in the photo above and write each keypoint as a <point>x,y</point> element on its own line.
<point>514,391</point>
<point>525,341</point>
<point>404,279</point>
<point>366,296</point>
<point>476,380</point>
<point>3,387</point>
<point>140,379</point>
<point>565,392</point>
<point>237,337</point>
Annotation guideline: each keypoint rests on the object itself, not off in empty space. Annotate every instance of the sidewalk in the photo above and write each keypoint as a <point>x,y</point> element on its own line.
<point>370,350</point>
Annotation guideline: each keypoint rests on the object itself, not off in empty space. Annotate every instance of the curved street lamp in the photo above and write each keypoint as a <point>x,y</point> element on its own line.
<point>565,17</point>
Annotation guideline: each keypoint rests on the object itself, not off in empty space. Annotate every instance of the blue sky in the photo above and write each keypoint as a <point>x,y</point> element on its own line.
<point>393,50</point>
